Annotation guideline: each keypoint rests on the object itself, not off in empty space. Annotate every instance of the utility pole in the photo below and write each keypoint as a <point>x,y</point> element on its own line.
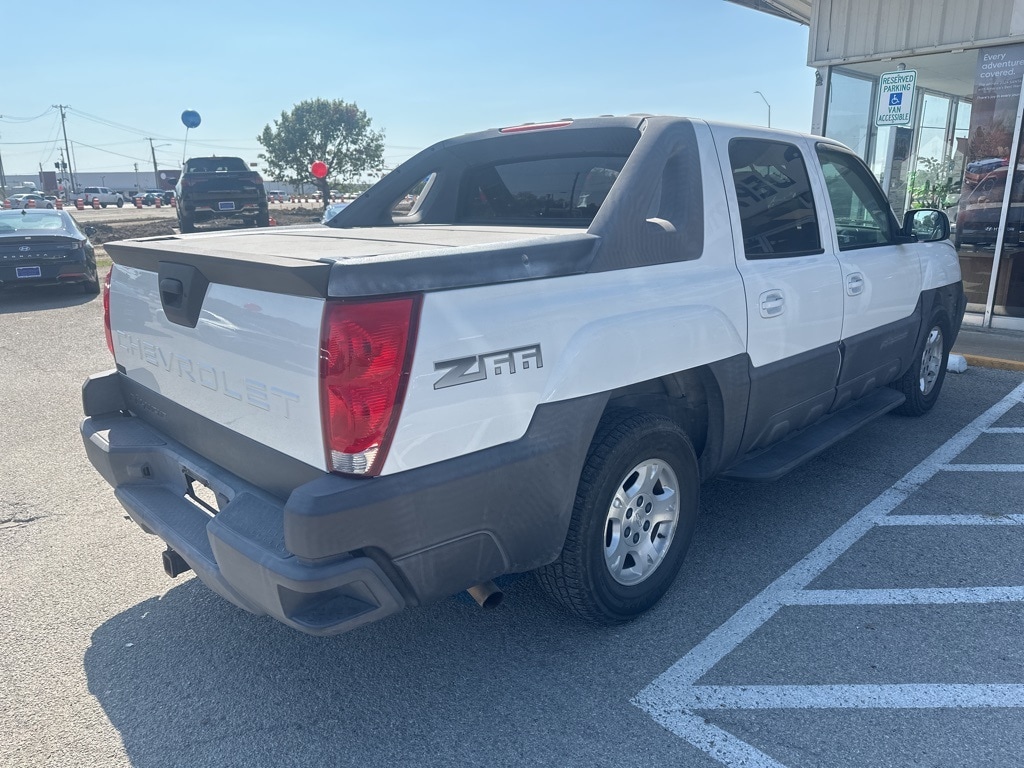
<point>156,173</point>
<point>62,166</point>
<point>136,177</point>
<point>64,128</point>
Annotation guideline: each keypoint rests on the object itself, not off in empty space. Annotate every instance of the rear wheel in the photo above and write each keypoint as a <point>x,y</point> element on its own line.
<point>120,203</point>
<point>103,205</point>
<point>185,222</point>
<point>923,382</point>
<point>263,219</point>
<point>632,522</point>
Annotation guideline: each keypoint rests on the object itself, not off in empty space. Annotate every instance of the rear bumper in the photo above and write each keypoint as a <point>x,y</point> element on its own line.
<point>57,272</point>
<point>206,208</point>
<point>341,552</point>
<point>239,552</point>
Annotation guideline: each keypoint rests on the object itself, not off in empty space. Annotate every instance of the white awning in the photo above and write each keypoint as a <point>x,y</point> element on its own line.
<point>794,10</point>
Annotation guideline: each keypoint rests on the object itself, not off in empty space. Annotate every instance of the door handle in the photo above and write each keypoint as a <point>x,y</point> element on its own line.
<point>854,284</point>
<point>773,303</point>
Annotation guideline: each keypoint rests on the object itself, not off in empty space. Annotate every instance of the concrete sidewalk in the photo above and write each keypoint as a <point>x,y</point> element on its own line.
<point>991,348</point>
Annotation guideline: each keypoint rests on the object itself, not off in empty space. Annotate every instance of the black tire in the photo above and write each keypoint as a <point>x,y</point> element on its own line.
<point>922,382</point>
<point>103,205</point>
<point>120,203</point>
<point>584,578</point>
<point>91,287</point>
<point>185,223</point>
<point>263,219</point>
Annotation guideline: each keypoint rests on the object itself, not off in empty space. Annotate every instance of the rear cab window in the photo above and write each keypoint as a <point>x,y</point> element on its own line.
<point>553,191</point>
<point>216,165</point>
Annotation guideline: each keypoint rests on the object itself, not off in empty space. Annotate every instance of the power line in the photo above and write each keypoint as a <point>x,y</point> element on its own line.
<point>13,119</point>
<point>107,151</point>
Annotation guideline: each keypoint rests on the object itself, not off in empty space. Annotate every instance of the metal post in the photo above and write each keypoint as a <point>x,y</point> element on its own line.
<point>156,173</point>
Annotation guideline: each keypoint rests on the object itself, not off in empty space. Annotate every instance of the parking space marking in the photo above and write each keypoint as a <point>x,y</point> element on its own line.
<point>952,520</point>
<point>921,596</point>
<point>1016,468</point>
<point>672,698</point>
<point>911,696</point>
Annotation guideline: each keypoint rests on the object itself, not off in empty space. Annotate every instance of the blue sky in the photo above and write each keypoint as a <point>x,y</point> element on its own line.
<point>422,71</point>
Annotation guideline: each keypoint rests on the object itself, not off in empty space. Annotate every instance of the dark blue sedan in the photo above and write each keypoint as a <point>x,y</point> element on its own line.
<point>45,247</point>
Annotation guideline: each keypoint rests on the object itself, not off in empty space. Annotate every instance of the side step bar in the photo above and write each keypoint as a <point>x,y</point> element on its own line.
<point>786,455</point>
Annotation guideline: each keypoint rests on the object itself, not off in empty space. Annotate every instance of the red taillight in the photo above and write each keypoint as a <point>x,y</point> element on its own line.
<point>364,366</point>
<point>106,312</point>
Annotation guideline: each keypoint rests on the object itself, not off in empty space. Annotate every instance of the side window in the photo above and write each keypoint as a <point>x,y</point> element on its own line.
<point>775,199</point>
<point>863,216</point>
<point>409,203</point>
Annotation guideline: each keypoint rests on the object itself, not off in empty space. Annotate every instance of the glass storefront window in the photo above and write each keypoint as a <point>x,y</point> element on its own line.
<point>931,183</point>
<point>986,180</point>
<point>850,111</point>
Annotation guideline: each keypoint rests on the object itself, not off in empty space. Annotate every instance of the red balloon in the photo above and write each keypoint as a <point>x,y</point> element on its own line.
<point>319,169</point>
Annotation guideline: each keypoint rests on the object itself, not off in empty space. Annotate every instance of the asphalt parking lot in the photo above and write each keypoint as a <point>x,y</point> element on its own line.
<point>866,610</point>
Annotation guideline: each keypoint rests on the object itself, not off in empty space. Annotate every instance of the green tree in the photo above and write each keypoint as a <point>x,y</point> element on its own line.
<point>334,131</point>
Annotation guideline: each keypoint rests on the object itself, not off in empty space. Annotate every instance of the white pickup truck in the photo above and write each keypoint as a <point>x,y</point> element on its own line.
<point>104,196</point>
<point>522,350</point>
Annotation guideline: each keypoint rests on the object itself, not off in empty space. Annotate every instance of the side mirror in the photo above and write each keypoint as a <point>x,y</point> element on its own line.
<point>926,225</point>
<point>89,230</point>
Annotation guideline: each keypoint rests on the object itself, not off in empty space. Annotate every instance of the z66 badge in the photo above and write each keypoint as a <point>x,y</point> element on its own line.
<point>464,370</point>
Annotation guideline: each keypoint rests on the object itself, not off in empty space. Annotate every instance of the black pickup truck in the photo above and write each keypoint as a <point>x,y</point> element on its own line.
<point>220,188</point>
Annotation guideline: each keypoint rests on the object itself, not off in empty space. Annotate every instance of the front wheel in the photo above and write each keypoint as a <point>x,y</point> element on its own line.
<point>632,522</point>
<point>923,381</point>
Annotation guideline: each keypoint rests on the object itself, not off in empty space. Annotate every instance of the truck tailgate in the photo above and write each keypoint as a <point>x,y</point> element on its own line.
<point>251,363</point>
<point>248,356</point>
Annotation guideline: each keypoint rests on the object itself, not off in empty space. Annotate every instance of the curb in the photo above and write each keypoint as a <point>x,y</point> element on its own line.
<point>993,362</point>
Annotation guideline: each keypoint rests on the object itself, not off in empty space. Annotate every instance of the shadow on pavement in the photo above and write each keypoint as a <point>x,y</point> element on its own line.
<point>189,679</point>
<point>30,299</point>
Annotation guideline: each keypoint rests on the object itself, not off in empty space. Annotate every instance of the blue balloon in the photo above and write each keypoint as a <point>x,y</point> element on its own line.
<point>191,118</point>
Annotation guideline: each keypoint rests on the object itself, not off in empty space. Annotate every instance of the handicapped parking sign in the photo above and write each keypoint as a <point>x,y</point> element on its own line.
<point>893,108</point>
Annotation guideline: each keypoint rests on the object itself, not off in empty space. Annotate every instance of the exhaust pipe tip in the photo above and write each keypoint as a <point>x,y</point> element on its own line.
<point>174,564</point>
<point>487,595</point>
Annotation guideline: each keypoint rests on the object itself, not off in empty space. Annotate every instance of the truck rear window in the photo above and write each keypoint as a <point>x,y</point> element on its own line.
<point>566,191</point>
<point>216,165</point>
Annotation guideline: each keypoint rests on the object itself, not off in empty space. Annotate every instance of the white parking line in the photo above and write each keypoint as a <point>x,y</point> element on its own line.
<point>952,520</point>
<point>671,698</point>
<point>983,468</point>
<point>914,696</point>
<point>923,596</point>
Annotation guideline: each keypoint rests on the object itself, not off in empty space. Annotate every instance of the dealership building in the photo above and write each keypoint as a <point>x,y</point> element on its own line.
<point>930,93</point>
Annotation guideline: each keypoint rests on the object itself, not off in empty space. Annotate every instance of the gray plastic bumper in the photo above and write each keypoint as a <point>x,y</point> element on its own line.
<point>239,552</point>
